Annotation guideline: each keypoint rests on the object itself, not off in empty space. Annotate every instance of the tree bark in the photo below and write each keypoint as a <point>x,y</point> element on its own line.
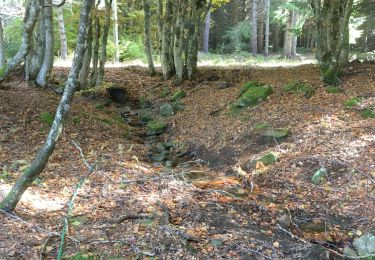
<point>206,35</point>
<point>31,16</point>
<point>13,197</point>
<point>260,31</point>
<point>45,71</point>
<point>36,55</point>
<point>254,40</point>
<point>294,35</point>
<point>95,52</point>
<point>160,9</point>
<point>288,38</point>
<point>234,13</point>
<point>2,48</point>
<point>103,57</point>
<point>267,27</point>
<point>115,31</point>
<point>147,37</point>
<point>62,33</point>
<point>83,76</point>
<point>167,43</point>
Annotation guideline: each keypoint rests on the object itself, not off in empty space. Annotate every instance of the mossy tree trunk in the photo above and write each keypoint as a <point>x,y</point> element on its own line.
<point>147,37</point>
<point>46,68</point>
<point>83,76</point>
<point>13,197</point>
<point>33,9</point>
<point>95,51</point>
<point>332,21</point>
<point>35,57</point>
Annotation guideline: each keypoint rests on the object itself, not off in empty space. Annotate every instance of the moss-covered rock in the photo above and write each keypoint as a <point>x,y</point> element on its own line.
<point>251,94</point>
<point>47,117</point>
<point>179,94</point>
<point>278,133</point>
<point>267,159</point>
<point>299,88</point>
<point>166,110</point>
<point>156,127</point>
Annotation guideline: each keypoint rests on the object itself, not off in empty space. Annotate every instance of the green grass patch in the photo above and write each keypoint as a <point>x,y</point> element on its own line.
<point>47,118</point>
<point>261,126</point>
<point>179,94</point>
<point>334,90</point>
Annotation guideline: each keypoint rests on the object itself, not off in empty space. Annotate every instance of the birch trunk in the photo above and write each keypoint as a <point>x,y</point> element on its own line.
<point>294,35</point>
<point>62,33</point>
<point>147,37</point>
<point>288,38</point>
<point>45,71</point>
<point>167,44</point>
<point>13,197</point>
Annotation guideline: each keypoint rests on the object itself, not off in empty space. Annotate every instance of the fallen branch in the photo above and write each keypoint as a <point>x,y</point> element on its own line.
<point>132,216</point>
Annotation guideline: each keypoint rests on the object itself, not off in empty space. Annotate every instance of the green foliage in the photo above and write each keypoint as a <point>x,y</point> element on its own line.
<point>47,117</point>
<point>179,94</point>
<point>269,158</point>
<point>165,92</point>
<point>2,70</point>
<point>299,88</point>
<point>352,102</point>
<point>156,127</point>
<point>261,126</point>
<point>13,37</point>
<point>334,90</point>
<point>166,110</point>
<point>237,37</point>
<point>129,49</point>
<point>367,113</point>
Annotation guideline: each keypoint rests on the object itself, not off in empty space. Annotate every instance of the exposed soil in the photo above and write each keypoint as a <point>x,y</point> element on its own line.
<point>198,209</point>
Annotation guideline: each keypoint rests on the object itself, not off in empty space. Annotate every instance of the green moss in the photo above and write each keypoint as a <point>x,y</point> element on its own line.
<point>179,94</point>
<point>278,133</point>
<point>166,110</point>
<point>106,120</point>
<point>156,127</point>
<point>178,106</point>
<point>253,96</point>
<point>100,106</point>
<point>247,86</point>
<point>367,113</point>
<point>47,117</point>
<point>2,70</point>
<point>352,102</point>
<point>334,90</point>
<point>299,88</point>
<point>145,115</point>
<point>269,158</point>
<point>261,126</point>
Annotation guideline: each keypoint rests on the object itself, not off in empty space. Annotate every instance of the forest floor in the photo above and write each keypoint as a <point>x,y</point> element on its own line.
<point>132,206</point>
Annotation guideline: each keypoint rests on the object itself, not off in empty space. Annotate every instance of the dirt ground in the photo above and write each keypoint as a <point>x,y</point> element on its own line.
<point>131,207</point>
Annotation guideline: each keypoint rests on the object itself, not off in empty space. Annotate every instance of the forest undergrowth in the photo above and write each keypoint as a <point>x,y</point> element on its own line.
<point>177,194</point>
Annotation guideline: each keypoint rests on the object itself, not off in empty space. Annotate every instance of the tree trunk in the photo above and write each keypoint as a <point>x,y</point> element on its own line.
<point>31,16</point>
<point>160,8</point>
<point>45,71</point>
<point>261,31</point>
<point>85,69</point>
<point>103,57</point>
<point>206,35</point>
<point>294,35</point>
<point>147,37</point>
<point>2,48</point>
<point>288,38</point>
<point>35,57</point>
<point>276,38</point>
<point>254,40</point>
<point>115,31</point>
<point>234,13</point>
<point>95,52</point>
<point>63,42</point>
<point>267,27</point>
<point>13,197</point>
<point>167,44</point>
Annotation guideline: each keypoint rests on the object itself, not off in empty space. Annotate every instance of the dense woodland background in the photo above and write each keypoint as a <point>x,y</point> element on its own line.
<point>187,129</point>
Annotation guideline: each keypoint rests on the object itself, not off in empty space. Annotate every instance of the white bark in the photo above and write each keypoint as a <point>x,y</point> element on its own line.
<point>2,48</point>
<point>63,41</point>
<point>115,31</point>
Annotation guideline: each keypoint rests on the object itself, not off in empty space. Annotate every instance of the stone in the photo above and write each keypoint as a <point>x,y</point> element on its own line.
<point>266,159</point>
<point>278,133</point>
<point>299,88</point>
<point>222,84</point>
<point>318,175</point>
<point>166,110</point>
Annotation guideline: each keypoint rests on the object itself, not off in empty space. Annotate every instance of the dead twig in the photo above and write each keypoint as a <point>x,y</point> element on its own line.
<point>44,246</point>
